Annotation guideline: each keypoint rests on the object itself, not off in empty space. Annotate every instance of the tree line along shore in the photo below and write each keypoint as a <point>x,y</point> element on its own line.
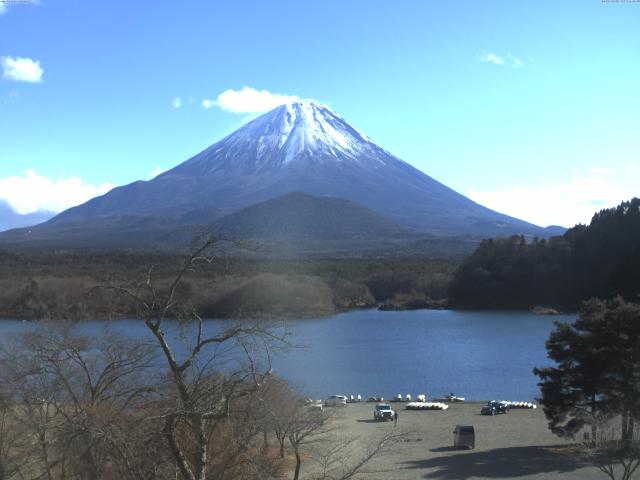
<point>600,260</point>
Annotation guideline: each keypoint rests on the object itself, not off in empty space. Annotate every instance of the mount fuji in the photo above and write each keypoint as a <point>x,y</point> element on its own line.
<point>299,147</point>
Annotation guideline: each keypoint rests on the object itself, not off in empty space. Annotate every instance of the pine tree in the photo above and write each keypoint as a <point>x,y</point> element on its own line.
<point>598,369</point>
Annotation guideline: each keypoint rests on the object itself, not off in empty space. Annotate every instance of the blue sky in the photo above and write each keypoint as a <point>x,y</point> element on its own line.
<point>528,107</point>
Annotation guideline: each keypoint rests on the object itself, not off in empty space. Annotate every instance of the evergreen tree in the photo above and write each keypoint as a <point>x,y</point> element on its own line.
<point>598,369</point>
<point>599,260</point>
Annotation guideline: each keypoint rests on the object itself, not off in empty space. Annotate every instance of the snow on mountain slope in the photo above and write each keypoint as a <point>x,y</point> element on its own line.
<point>295,132</point>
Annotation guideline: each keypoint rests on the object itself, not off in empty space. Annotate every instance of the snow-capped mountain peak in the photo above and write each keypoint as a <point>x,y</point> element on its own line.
<point>301,131</point>
<point>301,147</point>
<point>309,126</point>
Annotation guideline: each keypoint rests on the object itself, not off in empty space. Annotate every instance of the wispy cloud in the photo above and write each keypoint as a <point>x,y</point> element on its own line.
<point>248,100</point>
<point>206,103</point>
<point>9,98</point>
<point>177,102</point>
<point>33,192</point>
<point>21,69</point>
<point>4,8</point>
<point>490,57</point>
<point>561,203</point>
<point>501,60</point>
<point>156,171</point>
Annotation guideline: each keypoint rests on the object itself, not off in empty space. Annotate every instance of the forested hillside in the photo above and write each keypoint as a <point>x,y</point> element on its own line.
<point>601,259</point>
<point>61,285</point>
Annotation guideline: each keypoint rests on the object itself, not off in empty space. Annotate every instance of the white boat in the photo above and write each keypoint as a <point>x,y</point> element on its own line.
<point>452,398</point>
<point>520,405</point>
<point>426,406</point>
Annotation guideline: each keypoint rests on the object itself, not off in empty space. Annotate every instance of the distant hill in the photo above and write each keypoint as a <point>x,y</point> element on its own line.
<point>299,147</point>
<point>9,218</point>
<point>555,230</point>
<point>302,216</point>
<point>293,225</point>
<point>126,232</point>
<point>596,260</point>
<point>299,224</point>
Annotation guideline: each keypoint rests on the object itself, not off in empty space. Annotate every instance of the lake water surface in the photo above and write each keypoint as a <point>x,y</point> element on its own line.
<point>478,355</point>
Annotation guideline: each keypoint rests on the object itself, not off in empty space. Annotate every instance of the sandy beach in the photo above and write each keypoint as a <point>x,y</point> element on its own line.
<point>514,445</point>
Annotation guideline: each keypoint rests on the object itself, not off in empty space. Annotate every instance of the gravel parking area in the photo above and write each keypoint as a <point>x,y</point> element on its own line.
<point>513,445</point>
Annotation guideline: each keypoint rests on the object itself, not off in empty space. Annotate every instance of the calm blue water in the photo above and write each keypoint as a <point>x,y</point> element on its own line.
<point>478,355</point>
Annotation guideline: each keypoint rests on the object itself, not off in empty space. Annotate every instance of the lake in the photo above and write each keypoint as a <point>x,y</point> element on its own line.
<point>478,355</point>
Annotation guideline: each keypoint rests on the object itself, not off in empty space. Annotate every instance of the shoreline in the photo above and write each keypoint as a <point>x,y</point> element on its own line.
<point>514,445</point>
<point>309,315</point>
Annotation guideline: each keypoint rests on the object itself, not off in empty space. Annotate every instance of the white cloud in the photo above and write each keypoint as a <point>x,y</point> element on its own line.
<point>156,171</point>
<point>5,9</point>
<point>561,203</point>
<point>177,102</point>
<point>491,57</point>
<point>33,192</point>
<point>21,69</point>
<point>504,60</point>
<point>248,100</point>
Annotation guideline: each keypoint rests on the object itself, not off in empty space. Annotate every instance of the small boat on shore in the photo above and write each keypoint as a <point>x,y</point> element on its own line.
<point>426,406</point>
<point>451,398</point>
<point>520,405</point>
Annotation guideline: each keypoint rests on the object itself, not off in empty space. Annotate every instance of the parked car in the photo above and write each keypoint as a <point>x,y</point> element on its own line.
<point>493,408</point>
<point>383,411</point>
<point>336,400</point>
<point>464,436</point>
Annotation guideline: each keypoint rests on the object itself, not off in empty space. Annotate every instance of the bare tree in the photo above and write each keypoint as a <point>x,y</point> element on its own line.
<point>277,404</point>
<point>211,370</point>
<point>314,433</point>
<point>612,451</point>
<point>14,440</point>
<point>75,396</point>
<point>307,427</point>
<point>33,412</point>
<point>337,461</point>
<point>187,402</point>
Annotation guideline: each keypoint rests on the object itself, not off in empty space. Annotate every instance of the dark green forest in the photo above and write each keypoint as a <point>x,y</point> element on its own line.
<point>601,259</point>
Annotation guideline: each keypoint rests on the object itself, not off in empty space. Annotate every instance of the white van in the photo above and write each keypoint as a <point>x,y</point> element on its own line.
<point>336,400</point>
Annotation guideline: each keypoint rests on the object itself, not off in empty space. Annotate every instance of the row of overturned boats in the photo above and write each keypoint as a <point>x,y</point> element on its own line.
<point>420,403</point>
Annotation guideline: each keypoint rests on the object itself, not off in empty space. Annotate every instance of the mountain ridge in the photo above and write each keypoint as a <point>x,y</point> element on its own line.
<point>9,218</point>
<point>298,147</point>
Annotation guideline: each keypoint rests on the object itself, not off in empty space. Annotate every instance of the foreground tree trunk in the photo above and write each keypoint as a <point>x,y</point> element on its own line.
<point>194,414</point>
<point>296,473</point>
